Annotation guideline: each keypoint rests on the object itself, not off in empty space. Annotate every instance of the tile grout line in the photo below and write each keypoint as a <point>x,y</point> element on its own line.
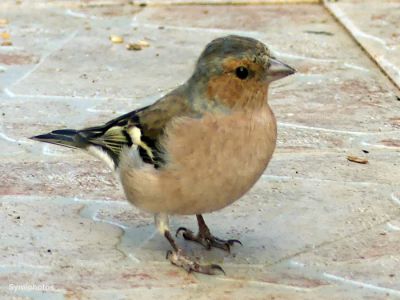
<point>337,14</point>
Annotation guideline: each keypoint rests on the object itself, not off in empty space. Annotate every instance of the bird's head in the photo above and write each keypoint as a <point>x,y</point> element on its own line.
<point>236,71</point>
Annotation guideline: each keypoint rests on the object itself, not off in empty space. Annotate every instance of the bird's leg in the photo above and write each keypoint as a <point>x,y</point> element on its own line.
<point>177,256</point>
<point>205,238</point>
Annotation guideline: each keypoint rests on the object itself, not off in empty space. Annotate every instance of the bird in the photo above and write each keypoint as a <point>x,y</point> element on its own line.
<point>197,149</point>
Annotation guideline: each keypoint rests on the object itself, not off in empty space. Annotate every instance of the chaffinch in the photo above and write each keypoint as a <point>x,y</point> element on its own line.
<point>197,149</point>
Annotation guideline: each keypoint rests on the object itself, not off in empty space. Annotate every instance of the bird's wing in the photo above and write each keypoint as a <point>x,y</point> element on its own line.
<point>143,127</point>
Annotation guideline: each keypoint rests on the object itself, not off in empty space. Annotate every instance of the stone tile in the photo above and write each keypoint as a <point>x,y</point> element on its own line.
<point>237,290</point>
<point>374,25</point>
<point>16,126</point>
<point>32,43</point>
<point>111,71</point>
<point>73,173</point>
<point>111,4</point>
<point>367,259</point>
<point>314,227</point>
<point>334,75</point>
<point>220,2</point>
<point>339,83</point>
<point>331,166</point>
<point>50,233</point>
<point>51,170</point>
<point>296,30</point>
<point>44,4</point>
<point>268,220</point>
<point>294,137</point>
<point>80,262</point>
<point>87,179</point>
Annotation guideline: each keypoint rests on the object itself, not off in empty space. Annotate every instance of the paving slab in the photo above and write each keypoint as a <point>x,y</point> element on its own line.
<point>352,260</point>
<point>42,248</point>
<point>345,78</point>
<point>141,3</point>
<point>374,24</point>
<point>316,226</point>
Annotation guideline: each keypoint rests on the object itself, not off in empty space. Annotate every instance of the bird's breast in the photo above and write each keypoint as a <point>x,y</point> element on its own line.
<point>210,162</point>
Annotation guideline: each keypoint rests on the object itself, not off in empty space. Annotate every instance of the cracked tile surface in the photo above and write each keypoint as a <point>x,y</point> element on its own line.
<point>315,226</point>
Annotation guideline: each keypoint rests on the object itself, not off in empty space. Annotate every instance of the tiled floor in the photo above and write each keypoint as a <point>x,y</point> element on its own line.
<point>315,226</point>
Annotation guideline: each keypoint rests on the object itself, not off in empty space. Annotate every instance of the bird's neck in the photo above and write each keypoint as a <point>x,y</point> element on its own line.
<point>236,94</point>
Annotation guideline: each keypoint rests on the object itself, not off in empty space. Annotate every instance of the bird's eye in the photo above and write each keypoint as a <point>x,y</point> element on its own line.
<point>242,72</point>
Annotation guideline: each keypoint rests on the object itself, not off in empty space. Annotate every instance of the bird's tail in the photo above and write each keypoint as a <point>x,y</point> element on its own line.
<point>64,137</point>
<point>105,141</point>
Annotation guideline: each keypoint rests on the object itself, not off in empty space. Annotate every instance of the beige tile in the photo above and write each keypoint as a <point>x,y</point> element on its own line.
<point>315,226</point>
<point>374,24</point>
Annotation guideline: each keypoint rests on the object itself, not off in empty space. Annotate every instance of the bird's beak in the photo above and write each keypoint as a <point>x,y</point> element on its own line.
<point>278,70</point>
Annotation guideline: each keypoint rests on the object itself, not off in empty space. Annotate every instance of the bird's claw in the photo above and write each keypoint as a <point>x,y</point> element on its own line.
<point>207,240</point>
<point>180,229</point>
<point>179,259</point>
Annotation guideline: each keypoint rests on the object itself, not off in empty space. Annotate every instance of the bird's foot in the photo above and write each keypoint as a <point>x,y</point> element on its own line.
<point>206,239</point>
<point>179,259</point>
